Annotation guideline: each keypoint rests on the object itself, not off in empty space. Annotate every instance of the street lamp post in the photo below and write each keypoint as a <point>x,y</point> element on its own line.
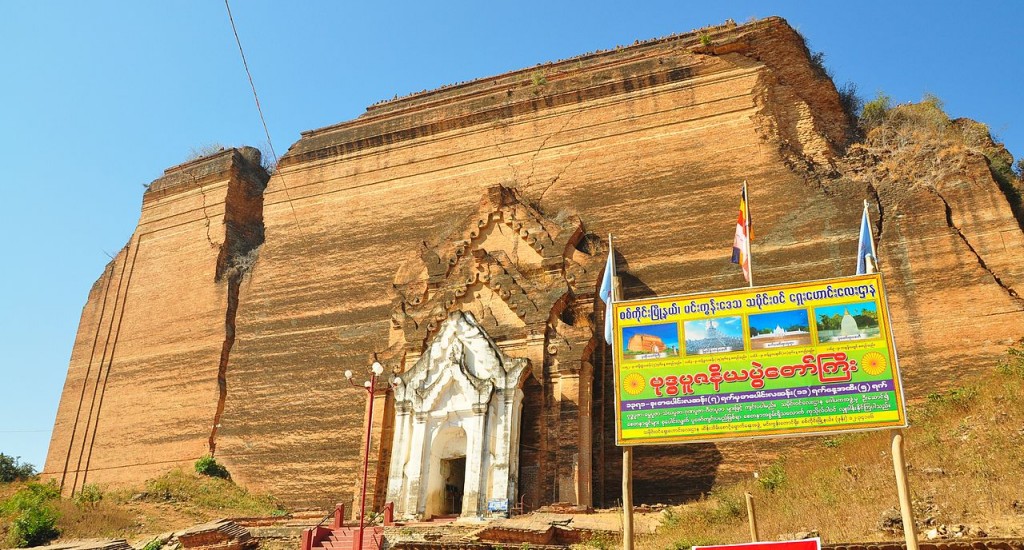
<point>371,388</point>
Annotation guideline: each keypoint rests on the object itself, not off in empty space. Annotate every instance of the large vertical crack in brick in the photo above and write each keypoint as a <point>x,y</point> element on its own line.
<point>981,261</point>
<point>243,235</point>
<point>234,282</point>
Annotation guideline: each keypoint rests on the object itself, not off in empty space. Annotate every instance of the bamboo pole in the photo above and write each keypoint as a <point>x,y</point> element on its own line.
<point>746,223</point>
<point>899,461</point>
<point>751,517</point>
<point>899,464</point>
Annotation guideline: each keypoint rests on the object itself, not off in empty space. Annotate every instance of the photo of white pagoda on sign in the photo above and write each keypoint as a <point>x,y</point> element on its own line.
<point>846,322</point>
<point>779,329</point>
<point>719,335</point>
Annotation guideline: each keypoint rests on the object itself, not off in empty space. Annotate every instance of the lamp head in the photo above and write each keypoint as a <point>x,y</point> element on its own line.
<point>366,384</point>
<point>348,374</point>
<point>377,368</point>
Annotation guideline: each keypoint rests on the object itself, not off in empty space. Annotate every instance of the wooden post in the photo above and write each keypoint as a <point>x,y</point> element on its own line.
<point>339,516</point>
<point>751,517</point>
<point>899,464</point>
<point>627,498</point>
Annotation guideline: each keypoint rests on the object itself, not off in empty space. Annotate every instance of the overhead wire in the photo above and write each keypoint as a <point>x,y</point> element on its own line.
<point>259,109</point>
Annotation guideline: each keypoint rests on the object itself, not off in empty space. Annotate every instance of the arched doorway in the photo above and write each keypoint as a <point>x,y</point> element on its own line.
<point>446,480</point>
<point>456,437</point>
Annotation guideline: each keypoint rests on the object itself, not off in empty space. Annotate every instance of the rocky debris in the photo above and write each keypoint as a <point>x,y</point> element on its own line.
<point>955,531</point>
<point>219,534</point>
<point>565,508</point>
<point>800,535</point>
<point>90,544</point>
<point>891,521</point>
<point>163,541</point>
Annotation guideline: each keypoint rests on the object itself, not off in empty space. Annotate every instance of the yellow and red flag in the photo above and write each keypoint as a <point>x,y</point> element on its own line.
<point>741,243</point>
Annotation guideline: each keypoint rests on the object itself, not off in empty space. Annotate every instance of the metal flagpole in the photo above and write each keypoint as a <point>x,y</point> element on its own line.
<point>746,223</point>
<point>627,451</point>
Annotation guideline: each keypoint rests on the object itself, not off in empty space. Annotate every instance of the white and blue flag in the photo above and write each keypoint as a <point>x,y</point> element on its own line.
<point>606,291</point>
<point>866,262</point>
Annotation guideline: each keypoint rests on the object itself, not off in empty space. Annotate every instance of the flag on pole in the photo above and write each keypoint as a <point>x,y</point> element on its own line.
<point>606,293</point>
<point>741,243</point>
<point>866,262</point>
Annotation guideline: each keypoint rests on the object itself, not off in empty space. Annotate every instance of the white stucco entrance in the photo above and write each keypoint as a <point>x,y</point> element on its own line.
<point>457,408</point>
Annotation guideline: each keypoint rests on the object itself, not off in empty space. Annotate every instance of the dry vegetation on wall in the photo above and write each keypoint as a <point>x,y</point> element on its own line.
<point>965,451</point>
<point>918,141</point>
<point>172,501</point>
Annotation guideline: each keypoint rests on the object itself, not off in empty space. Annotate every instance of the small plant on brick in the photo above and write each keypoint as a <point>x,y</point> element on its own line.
<point>208,466</point>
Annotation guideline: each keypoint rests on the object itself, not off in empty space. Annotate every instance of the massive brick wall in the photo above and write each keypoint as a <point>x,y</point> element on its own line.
<point>142,387</point>
<point>648,142</point>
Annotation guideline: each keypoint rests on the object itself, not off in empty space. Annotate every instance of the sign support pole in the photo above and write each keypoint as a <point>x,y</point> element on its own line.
<point>899,464</point>
<point>751,517</point>
<point>899,461</point>
<point>627,460</point>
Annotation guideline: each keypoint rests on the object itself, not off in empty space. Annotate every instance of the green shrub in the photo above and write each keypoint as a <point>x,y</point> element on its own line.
<point>155,544</point>
<point>601,540</point>
<point>773,477</point>
<point>851,101</point>
<point>725,507</point>
<point>35,517</point>
<point>876,111</point>
<point>31,495</point>
<point>705,39</point>
<point>11,470</point>
<point>1013,365</point>
<point>818,63</point>
<point>208,466</point>
<point>690,542</point>
<point>33,527</point>
<point>89,495</point>
<point>963,398</point>
<point>670,517</point>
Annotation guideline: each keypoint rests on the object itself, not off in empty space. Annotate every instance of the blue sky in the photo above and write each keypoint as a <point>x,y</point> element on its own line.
<point>784,319</point>
<point>97,98</point>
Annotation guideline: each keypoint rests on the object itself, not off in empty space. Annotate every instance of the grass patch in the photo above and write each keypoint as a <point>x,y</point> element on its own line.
<point>192,490</point>
<point>34,513</point>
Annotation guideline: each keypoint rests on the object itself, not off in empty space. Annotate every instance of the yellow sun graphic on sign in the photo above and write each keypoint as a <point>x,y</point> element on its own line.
<point>634,383</point>
<point>873,363</point>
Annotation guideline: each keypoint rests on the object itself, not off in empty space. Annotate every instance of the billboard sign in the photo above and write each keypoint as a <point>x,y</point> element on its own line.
<point>793,359</point>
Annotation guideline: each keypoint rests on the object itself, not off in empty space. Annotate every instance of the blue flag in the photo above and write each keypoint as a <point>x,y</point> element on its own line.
<point>606,291</point>
<point>866,246</point>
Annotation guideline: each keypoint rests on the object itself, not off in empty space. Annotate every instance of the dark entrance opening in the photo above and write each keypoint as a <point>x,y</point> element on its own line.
<point>454,472</point>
